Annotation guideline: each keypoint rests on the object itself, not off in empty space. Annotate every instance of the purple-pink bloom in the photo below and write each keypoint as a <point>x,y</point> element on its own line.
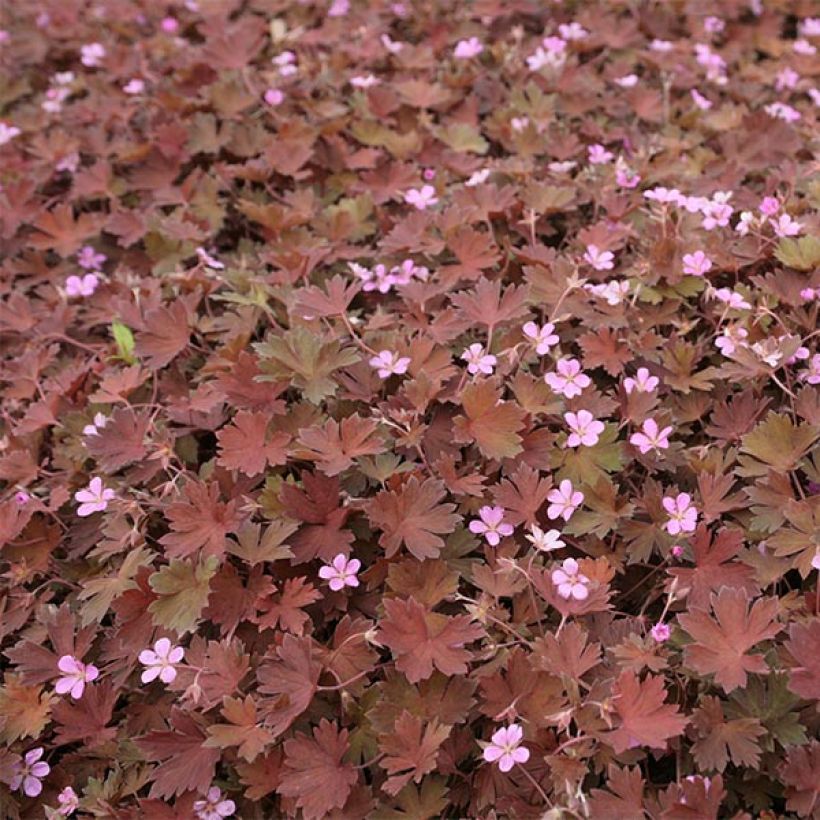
<point>491,525</point>
<point>81,286</point>
<point>478,361</point>
<point>213,807</point>
<point>568,380</point>
<point>785,226</point>
<point>642,383</point>
<point>703,103</point>
<point>506,749</point>
<point>274,97</point>
<point>92,54</point>
<point>660,632</point>
<point>89,259</point>
<point>341,572</point>
<point>94,498</point>
<point>696,264</point>
<point>651,438</point>
<point>585,428</point>
<point>160,661</point>
<point>421,198</point>
<point>387,363</point>
<point>543,337</point>
<point>683,516</point>
<point>677,551</point>
<point>21,497</point>
<point>209,260</point>
<point>811,375</point>
<point>29,773</point>
<point>769,205</point>
<point>571,582</point>
<point>169,25</point>
<point>75,676</point>
<point>626,178</point>
<point>134,86</point>
<point>69,802</point>
<point>600,260</point>
<point>732,338</point>
<point>564,500</point>
<point>467,49</point>
<point>598,155</point>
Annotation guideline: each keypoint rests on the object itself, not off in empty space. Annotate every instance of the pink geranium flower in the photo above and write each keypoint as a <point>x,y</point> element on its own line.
<point>626,178</point>
<point>696,264</point>
<point>598,155</point>
<point>478,361</point>
<point>421,198</point>
<point>660,632</point>
<point>81,286</point>
<point>545,541</point>
<point>642,383</point>
<point>769,205</point>
<point>134,86</point>
<point>585,428</point>
<point>214,807</point>
<point>543,337</point>
<point>69,802</point>
<point>785,226</point>
<point>387,363</point>
<point>682,515</point>
<point>568,380</point>
<point>92,54</point>
<point>491,525</point>
<point>27,776</point>
<point>341,572</point>
<point>467,49</point>
<point>209,260</point>
<point>564,500</point>
<point>89,259</point>
<point>733,337</point>
<point>99,422</point>
<point>274,97</point>
<point>651,438</point>
<point>506,749</point>
<point>94,498</point>
<point>600,260</point>
<point>169,25</point>
<point>571,582</point>
<point>76,675</point>
<point>160,661</point>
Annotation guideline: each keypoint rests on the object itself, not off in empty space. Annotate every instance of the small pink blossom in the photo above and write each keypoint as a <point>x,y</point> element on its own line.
<point>98,423</point>
<point>682,515</point>
<point>8,132</point>
<point>478,178</point>
<point>572,31</point>
<point>543,336</point>
<point>626,178</point>
<point>478,361</point>
<point>76,675</point>
<point>21,497</point>
<point>598,155</point>
<point>160,661</point>
<point>661,46</point>
<point>600,260</point>
<point>786,79</point>
<point>518,124</point>
<point>571,582</point>
<point>627,81</point>
<point>561,167</point>
<point>69,802</point>
<point>94,498</point>
<point>716,214</point>
<point>286,62</point>
<point>732,338</point>
<point>421,198</point>
<point>341,572</point>
<point>785,226</point>
<point>365,81</point>
<point>274,97</point>
<point>815,561</point>
<point>703,103</point>
<point>769,205</point>
<point>782,111</point>
<point>662,195</point>
<point>545,541</point>
<point>209,260</point>
<point>92,54</point>
<point>804,47</point>
<point>429,174</point>
<point>89,259</point>
<point>614,291</point>
<point>643,382</point>
<point>29,773</point>
<point>467,49</point>
<point>491,525</point>
<point>651,438</point>
<point>81,285</point>
<point>169,25</point>
<point>811,375</point>
<point>564,500</point>
<point>338,8</point>
<point>660,632</point>
<point>586,429</point>
<point>732,299</point>
<point>677,551</point>
<point>387,363</point>
<point>134,86</point>
<point>213,807</point>
<point>713,25</point>
<point>696,264</point>
<point>506,749</point>
<point>393,46</point>
<point>809,294</point>
<point>568,380</point>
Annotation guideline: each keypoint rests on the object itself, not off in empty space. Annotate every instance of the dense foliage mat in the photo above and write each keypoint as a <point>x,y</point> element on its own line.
<point>409,410</point>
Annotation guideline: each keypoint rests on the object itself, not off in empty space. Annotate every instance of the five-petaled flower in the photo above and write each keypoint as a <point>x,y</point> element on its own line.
<point>564,500</point>
<point>545,541</point>
<point>491,525</point>
<point>273,96</point>
<point>69,802</point>
<point>600,260</point>
<point>571,582</point>
<point>505,748</point>
<point>28,774</point>
<point>89,259</point>
<point>92,54</point>
<point>160,662</point>
<point>660,632</point>
<point>94,498</point>
<point>683,516</point>
<point>341,572</point>
<point>543,337</point>
<point>568,380</point>
<point>585,429</point>
<point>696,264</point>
<point>598,155</point>
<point>76,675</point>
<point>643,382</point>
<point>478,361</point>
<point>467,49</point>
<point>651,437</point>
<point>387,363</point>
<point>421,198</point>
<point>81,285</point>
<point>214,807</point>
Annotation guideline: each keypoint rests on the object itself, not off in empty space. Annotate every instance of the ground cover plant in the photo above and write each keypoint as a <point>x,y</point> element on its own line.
<point>409,410</point>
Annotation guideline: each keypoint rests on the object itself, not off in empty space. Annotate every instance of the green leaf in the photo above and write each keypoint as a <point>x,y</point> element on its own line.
<point>99,593</point>
<point>183,587</point>
<point>778,443</point>
<point>124,339</point>
<point>800,254</point>
<point>463,138</point>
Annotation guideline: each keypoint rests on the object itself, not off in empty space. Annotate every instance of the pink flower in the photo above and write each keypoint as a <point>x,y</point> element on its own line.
<point>585,429</point>
<point>786,79</point>
<point>732,299</point>
<point>89,259</point>
<point>429,174</point>
<point>564,500</point>
<point>769,205</point>
<point>809,294</point>
<point>135,86</point>
<point>29,774</point>
<point>467,49</point>
<point>804,47</point>
<point>572,31</point>
<point>677,551</point>
<point>713,25</point>
<point>478,361</point>
<point>208,260</point>
<point>92,54</point>
<point>8,133</point>
<point>274,97</point>
<point>642,383</point>
<point>387,363</point>
<point>169,25</point>
<point>696,264</point>
<point>627,81</point>
<point>731,339</point>
<point>214,807</point>
<point>782,111</point>
<point>21,497</point>
<point>506,749</point>
<point>570,581</point>
<point>703,103</point>
<point>93,499</point>
<point>286,61</point>
<point>663,195</point>
<point>338,8</point>
<point>568,380</point>
<point>160,661</point>
<point>69,802</point>
<point>626,178</point>
<point>518,124</point>
<point>77,674</point>
<point>651,438</point>
<point>491,525</point>
<point>478,178</point>
<point>393,46</point>
<point>543,337</point>
<point>661,46</point>
<point>421,198</point>
<point>98,424</point>
<point>614,291</point>
<point>660,632</point>
<point>682,515</point>
<point>341,572</point>
<point>545,541</point>
<point>600,260</point>
<point>784,226</point>
<point>811,375</point>
<point>81,286</point>
<point>598,155</point>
